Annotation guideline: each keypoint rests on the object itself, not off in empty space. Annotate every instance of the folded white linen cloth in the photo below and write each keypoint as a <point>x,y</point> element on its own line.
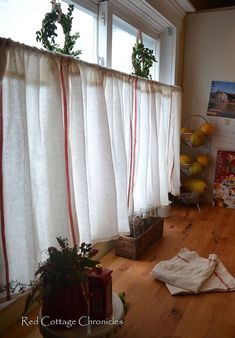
<point>188,272</point>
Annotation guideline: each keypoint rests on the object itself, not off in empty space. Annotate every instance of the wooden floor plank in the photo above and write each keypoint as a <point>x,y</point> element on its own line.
<point>153,312</point>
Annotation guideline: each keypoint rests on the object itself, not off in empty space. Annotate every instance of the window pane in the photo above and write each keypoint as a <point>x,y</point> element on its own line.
<point>19,20</point>
<point>155,46</point>
<point>85,23</point>
<point>123,40</point>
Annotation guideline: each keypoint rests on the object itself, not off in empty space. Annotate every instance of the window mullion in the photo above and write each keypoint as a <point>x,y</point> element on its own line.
<point>168,56</point>
<point>105,34</point>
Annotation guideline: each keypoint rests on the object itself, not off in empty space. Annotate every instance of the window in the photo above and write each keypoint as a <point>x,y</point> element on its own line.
<point>85,22</point>
<point>20,21</point>
<point>107,29</point>
<point>123,40</point>
<point>155,46</point>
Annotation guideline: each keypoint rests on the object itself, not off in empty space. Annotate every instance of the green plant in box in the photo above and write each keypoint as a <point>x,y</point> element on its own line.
<point>64,269</point>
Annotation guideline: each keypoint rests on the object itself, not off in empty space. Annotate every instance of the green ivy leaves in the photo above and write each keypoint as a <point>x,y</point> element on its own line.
<point>142,60</point>
<point>47,33</point>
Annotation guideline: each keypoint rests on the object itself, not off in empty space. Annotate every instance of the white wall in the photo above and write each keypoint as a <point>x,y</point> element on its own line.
<point>209,55</point>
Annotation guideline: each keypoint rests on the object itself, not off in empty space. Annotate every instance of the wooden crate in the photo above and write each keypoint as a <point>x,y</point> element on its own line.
<point>133,248</point>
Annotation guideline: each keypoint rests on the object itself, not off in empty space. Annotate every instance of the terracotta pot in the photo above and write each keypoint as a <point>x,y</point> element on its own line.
<point>64,304</point>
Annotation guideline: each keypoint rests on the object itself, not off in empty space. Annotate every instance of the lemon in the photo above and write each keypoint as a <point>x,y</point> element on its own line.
<point>185,159</point>
<point>195,185</point>
<point>207,128</point>
<point>184,130</point>
<point>195,169</point>
<point>197,138</point>
<point>203,159</point>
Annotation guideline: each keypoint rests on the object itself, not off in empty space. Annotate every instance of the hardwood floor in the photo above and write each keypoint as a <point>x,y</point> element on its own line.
<point>153,312</point>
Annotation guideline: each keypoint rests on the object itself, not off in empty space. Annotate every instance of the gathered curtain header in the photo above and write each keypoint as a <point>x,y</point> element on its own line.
<point>76,63</point>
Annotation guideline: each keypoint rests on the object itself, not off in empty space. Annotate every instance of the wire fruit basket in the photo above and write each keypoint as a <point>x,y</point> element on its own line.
<point>189,198</point>
<point>186,198</point>
<point>193,169</point>
<point>193,138</point>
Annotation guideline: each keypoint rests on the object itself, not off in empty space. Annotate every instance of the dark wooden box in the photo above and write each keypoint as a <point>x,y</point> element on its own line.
<point>133,248</point>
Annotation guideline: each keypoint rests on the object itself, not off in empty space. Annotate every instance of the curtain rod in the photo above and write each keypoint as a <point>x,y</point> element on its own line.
<point>9,43</point>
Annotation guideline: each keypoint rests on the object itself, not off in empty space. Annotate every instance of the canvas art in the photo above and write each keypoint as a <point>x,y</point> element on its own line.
<point>222,99</point>
<point>224,185</point>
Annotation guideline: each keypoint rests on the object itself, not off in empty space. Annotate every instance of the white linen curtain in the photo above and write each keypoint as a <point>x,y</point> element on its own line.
<point>83,147</point>
<point>34,183</point>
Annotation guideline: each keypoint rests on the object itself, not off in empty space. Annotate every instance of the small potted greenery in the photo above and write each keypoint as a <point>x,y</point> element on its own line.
<point>61,282</point>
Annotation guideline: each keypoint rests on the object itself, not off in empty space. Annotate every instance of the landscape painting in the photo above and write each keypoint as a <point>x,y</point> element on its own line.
<point>222,99</point>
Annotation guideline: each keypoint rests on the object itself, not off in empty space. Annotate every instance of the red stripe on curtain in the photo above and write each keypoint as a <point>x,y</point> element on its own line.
<point>132,146</point>
<point>129,184</point>
<point>66,151</point>
<point>3,232</point>
<point>135,129</point>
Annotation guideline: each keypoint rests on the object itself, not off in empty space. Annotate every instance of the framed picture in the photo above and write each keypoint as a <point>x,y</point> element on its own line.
<point>224,185</point>
<point>222,99</point>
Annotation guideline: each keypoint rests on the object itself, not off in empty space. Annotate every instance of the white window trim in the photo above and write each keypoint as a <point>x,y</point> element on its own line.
<point>125,26</point>
<point>163,22</point>
<point>139,14</point>
<point>168,53</point>
<point>90,5</point>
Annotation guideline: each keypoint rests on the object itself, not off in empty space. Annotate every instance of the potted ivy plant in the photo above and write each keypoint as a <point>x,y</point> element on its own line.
<point>61,283</point>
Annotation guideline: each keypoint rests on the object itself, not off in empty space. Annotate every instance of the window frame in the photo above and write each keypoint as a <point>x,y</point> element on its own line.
<point>141,15</point>
<point>149,21</point>
<point>133,31</point>
<point>89,5</point>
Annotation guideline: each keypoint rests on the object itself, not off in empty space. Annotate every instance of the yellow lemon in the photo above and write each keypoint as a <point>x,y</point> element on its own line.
<point>203,159</point>
<point>195,185</point>
<point>185,159</point>
<point>197,138</point>
<point>195,169</point>
<point>207,128</point>
<point>184,130</point>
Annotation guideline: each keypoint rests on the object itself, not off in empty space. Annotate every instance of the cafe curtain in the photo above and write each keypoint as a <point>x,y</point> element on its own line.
<point>82,147</point>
